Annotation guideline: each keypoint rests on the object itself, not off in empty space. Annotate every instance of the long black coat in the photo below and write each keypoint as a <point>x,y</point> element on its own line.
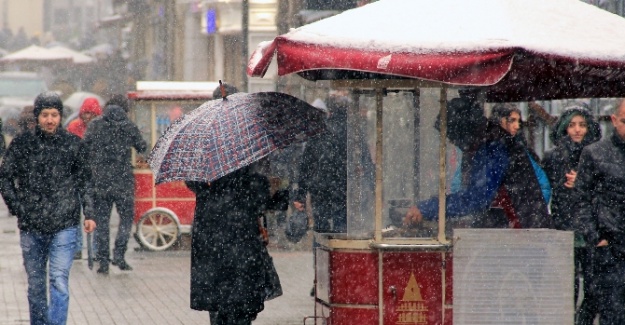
<point>43,180</point>
<point>226,269</point>
<point>600,193</point>
<point>107,144</point>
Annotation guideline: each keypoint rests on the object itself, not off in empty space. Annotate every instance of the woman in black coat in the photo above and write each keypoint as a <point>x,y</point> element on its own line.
<point>227,277</point>
<point>575,129</point>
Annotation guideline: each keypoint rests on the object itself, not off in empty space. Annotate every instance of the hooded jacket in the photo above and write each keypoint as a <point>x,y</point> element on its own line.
<point>503,189</point>
<point>107,145</point>
<point>78,126</point>
<point>44,180</point>
<point>564,158</point>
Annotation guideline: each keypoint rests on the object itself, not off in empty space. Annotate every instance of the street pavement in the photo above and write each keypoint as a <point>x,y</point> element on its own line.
<point>155,292</point>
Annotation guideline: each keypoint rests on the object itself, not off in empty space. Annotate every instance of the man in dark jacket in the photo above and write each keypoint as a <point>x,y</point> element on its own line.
<point>107,145</point>
<point>600,196</point>
<point>322,171</point>
<point>43,181</point>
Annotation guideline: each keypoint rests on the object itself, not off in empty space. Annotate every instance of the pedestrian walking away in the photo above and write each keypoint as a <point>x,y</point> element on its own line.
<point>107,147</point>
<point>600,212</point>
<point>227,271</point>
<point>44,181</point>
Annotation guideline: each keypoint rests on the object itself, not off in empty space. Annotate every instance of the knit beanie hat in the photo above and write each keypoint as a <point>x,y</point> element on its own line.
<point>48,99</point>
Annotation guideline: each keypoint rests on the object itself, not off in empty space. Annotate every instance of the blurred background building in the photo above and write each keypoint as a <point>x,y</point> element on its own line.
<point>186,40</point>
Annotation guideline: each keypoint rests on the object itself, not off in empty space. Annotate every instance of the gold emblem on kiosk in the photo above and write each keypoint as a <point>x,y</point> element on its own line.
<point>412,309</point>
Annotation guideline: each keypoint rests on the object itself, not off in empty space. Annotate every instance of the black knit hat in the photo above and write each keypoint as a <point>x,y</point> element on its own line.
<point>48,99</point>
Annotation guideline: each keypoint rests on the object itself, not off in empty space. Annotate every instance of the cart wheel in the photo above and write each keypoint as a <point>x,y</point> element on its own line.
<point>157,230</point>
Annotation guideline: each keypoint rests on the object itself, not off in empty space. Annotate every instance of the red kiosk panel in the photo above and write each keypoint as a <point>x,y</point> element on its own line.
<point>354,278</point>
<point>413,288</point>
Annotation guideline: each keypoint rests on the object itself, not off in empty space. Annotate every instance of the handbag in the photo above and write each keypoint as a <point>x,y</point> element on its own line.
<point>296,227</point>
<point>272,286</point>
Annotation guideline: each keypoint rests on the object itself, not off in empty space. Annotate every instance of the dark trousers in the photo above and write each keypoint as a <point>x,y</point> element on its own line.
<point>583,269</point>
<point>226,318</point>
<point>329,217</point>
<point>126,209</point>
<point>608,285</point>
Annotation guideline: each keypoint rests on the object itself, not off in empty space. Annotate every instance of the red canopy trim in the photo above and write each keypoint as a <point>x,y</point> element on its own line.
<point>468,68</point>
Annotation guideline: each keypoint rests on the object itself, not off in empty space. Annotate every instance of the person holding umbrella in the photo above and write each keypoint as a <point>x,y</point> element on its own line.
<point>44,181</point>
<point>217,149</point>
<point>227,277</point>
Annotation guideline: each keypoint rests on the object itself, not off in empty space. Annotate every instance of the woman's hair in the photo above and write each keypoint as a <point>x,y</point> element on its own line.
<point>559,129</point>
<point>502,110</point>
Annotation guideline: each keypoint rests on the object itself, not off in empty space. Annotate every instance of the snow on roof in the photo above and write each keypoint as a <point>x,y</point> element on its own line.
<point>562,27</point>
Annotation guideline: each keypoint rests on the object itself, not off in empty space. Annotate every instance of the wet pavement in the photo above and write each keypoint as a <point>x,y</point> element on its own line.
<point>155,292</point>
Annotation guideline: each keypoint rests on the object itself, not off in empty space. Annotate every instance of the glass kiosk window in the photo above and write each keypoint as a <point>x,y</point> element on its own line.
<point>410,163</point>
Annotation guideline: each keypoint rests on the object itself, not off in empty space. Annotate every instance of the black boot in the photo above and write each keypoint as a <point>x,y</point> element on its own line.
<point>104,268</point>
<point>122,265</point>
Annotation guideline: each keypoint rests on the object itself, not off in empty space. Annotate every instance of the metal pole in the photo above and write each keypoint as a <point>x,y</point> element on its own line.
<point>442,189</point>
<point>245,22</point>
<point>379,159</point>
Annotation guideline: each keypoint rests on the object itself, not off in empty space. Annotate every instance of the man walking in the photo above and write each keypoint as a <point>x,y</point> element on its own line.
<point>43,181</point>
<point>107,145</point>
<point>600,193</point>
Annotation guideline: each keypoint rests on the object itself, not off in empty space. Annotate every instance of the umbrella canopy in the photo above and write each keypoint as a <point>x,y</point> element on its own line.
<point>35,53</point>
<point>77,57</point>
<point>514,49</point>
<point>224,135</point>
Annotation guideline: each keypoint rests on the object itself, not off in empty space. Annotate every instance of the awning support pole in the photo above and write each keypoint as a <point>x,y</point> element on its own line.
<point>379,159</point>
<point>442,190</point>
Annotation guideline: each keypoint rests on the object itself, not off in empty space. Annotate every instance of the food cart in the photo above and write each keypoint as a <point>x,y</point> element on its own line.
<point>162,212</point>
<point>402,71</point>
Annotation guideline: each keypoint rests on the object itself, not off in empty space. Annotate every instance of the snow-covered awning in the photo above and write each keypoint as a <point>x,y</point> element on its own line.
<point>514,49</point>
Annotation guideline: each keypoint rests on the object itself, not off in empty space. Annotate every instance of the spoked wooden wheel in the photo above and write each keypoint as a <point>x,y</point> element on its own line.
<point>158,230</point>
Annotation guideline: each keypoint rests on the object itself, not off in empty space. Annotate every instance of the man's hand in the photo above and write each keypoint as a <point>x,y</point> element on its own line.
<point>89,225</point>
<point>141,162</point>
<point>299,205</point>
<point>413,217</point>
<point>602,243</point>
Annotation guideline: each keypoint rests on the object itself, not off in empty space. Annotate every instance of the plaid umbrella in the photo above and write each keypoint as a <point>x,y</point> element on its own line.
<point>224,135</point>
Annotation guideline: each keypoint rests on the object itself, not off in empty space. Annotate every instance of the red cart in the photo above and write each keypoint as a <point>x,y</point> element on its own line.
<point>163,212</point>
<point>403,60</point>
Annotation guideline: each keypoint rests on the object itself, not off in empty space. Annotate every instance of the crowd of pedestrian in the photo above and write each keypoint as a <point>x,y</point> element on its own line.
<point>50,177</point>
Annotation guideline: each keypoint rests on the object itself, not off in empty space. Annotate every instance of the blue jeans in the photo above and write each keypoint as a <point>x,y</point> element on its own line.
<point>57,249</point>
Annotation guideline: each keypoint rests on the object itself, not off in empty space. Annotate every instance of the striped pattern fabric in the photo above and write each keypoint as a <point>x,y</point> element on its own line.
<point>224,135</point>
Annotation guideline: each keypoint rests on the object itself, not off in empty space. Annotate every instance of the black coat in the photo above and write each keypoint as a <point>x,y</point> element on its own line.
<point>226,268</point>
<point>600,193</point>
<point>107,144</point>
<point>559,161</point>
<point>323,166</point>
<point>43,180</point>
<point>564,158</point>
